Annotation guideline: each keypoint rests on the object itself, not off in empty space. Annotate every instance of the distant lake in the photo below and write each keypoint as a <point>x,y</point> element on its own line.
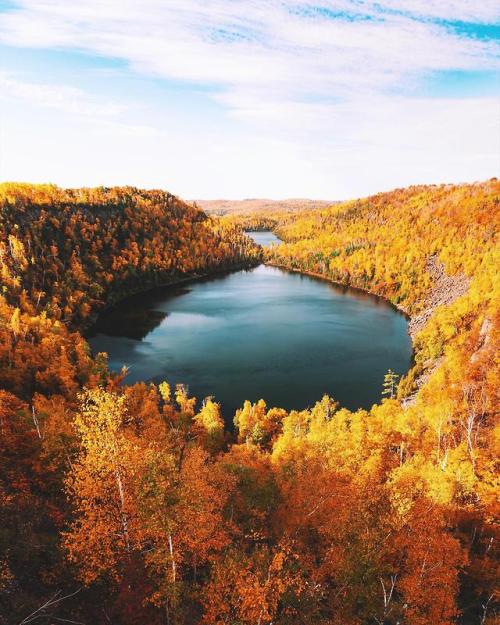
<point>264,237</point>
<point>262,333</point>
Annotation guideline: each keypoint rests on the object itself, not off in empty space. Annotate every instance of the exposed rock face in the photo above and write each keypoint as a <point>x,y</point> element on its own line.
<point>445,291</point>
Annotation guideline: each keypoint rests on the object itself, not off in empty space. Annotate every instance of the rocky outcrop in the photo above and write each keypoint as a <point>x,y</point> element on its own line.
<point>445,290</point>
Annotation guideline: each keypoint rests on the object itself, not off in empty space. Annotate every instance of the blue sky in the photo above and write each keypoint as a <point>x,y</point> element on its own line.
<point>233,98</point>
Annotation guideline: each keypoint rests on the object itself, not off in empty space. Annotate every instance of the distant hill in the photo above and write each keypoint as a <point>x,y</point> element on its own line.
<point>254,205</point>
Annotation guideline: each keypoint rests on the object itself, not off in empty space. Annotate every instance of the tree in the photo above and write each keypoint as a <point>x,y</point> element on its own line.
<point>100,485</point>
<point>390,384</point>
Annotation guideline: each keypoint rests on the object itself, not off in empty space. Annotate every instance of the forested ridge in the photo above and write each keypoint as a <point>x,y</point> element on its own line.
<point>79,249</point>
<point>130,504</point>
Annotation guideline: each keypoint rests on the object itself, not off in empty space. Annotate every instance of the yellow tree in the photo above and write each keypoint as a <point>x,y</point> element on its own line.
<point>100,485</point>
<point>211,425</point>
<point>258,425</point>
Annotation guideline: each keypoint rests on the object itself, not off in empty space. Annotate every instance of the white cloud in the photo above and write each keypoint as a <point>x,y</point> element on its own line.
<point>287,47</point>
<point>60,97</point>
<point>464,10</point>
<point>320,92</point>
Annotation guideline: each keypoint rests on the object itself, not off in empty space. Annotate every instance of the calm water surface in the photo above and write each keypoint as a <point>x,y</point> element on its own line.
<point>263,333</point>
<point>264,237</point>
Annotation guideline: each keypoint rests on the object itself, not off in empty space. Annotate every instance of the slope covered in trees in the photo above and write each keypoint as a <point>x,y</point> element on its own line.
<point>74,250</point>
<point>259,214</point>
<point>130,504</point>
<point>258,205</point>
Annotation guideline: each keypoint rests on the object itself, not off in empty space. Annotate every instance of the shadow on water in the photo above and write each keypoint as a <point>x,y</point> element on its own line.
<point>138,315</point>
<point>129,323</point>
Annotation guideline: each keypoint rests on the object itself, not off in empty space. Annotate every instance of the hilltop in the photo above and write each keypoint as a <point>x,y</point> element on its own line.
<point>258,205</point>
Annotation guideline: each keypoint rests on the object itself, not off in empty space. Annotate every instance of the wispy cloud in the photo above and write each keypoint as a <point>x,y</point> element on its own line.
<point>292,49</point>
<point>326,77</point>
<point>60,97</point>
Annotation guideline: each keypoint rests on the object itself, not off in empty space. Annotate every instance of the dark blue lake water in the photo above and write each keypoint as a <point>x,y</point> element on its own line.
<point>263,333</point>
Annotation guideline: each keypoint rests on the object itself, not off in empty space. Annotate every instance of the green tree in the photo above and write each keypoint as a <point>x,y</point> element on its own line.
<point>390,384</point>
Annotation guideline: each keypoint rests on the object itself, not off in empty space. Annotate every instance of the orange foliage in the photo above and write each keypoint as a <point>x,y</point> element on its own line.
<point>320,516</point>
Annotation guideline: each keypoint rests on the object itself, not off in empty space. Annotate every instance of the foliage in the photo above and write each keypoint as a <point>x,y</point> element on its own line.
<point>132,505</point>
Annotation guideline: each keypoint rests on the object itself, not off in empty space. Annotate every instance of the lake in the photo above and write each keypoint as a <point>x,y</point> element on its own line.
<point>262,333</point>
<point>264,237</point>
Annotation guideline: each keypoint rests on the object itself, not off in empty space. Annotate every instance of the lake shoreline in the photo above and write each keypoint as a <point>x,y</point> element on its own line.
<point>446,290</point>
<point>320,276</point>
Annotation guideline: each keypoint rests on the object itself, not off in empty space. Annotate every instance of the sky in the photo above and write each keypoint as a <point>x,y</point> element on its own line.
<point>209,99</point>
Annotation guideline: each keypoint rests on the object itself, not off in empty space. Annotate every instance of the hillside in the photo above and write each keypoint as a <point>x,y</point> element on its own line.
<point>130,504</point>
<point>422,248</point>
<point>384,243</point>
<point>74,250</point>
<point>256,205</point>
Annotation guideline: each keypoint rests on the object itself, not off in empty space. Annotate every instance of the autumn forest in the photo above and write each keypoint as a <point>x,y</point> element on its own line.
<point>135,504</point>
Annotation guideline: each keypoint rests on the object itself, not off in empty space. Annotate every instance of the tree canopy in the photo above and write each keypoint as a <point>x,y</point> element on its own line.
<point>131,504</point>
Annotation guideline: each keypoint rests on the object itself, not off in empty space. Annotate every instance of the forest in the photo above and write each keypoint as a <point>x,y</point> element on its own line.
<point>131,504</point>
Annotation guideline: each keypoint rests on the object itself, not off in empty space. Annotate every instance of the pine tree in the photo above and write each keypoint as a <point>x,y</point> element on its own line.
<point>390,384</point>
